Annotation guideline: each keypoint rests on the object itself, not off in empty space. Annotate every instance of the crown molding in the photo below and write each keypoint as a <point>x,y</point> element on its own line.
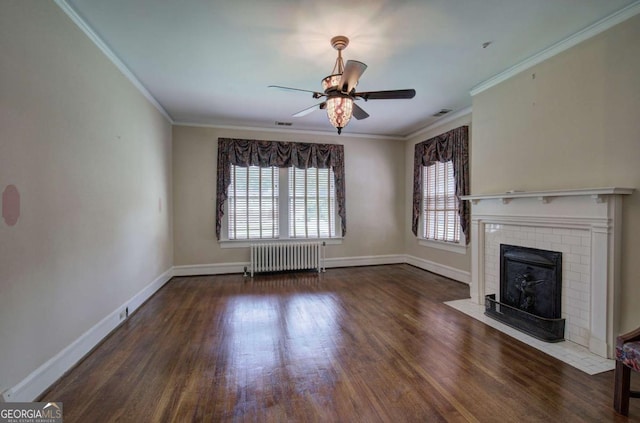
<point>580,36</point>
<point>293,131</point>
<point>440,122</point>
<point>77,19</point>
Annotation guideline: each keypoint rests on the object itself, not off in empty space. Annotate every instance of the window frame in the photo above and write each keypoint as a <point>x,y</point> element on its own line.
<point>294,196</point>
<point>249,195</point>
<point>283,206</point>
<point>459,247</point>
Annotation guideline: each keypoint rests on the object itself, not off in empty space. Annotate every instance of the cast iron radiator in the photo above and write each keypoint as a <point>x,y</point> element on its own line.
<point>276,257</point>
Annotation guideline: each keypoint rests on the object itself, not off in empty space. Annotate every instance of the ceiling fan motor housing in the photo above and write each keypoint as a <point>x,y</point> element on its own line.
<point>340,42</point>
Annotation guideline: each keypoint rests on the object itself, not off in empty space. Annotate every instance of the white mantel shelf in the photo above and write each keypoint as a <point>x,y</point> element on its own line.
<point>547,196</point>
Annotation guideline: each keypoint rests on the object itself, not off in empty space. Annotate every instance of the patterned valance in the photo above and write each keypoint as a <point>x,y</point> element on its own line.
<point>451,146</point>
<point>245,153</point>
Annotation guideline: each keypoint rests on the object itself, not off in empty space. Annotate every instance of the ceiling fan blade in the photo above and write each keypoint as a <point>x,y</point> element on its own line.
<point>359,113</point>
<point>353,70</point>
<point>315,93</point>
<point>386,95</point>
<point>310,109</point>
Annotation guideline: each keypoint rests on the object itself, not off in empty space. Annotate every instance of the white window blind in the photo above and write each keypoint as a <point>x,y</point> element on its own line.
<point>272,203</point>
<point>440,219</point>
<point>312,203</point>
<point>253,203</point>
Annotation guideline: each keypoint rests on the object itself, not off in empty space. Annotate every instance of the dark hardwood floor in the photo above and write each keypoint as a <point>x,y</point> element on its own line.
<point>361,344</point>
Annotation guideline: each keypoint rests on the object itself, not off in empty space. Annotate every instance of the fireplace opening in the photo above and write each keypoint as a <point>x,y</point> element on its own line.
<point>530,292</point>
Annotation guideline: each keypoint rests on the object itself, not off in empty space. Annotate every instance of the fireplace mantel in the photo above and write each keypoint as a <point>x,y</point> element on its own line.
<point>585,224</point>
<point>546,196</point>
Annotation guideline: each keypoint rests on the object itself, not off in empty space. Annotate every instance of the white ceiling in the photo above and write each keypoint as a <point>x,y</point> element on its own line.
<point>210,61</point>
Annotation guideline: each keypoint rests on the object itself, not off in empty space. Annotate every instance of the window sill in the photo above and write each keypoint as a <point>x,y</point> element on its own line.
<point>458,248</point>
<point>246,243</point>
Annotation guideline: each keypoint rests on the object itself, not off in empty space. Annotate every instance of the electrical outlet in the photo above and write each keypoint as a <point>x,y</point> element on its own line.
<point>123,315</point>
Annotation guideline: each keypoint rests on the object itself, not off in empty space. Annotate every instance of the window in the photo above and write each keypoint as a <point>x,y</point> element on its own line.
<point>440,217</point>
<point>273,203</point>
<point>437,219</point>
<point>312,203</point>
<point>253,203</point>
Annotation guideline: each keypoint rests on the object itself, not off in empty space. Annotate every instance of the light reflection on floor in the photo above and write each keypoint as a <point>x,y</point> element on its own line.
<point>275,339</point>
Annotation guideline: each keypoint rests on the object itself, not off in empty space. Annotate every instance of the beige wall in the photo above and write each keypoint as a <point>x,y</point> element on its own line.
<point>374,194</point>
<point>461,262</point>
<point>570,122</point>
<point>91,159</point>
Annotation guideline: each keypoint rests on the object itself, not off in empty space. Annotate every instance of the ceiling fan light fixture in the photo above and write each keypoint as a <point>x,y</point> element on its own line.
<point>339,111</point>
<point>331,82</point>
<point>339,88</point>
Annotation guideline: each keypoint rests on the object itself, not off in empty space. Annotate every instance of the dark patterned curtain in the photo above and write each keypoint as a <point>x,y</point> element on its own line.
<point>280,154</point>
<point>451,146</point>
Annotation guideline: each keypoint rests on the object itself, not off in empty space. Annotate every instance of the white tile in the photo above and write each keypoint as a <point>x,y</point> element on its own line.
<point>583,250</point>
<point>580,268</point>
<point>571,258</point>
<point>562,248</point>
<point>543,245</point>
<point>579,232</point>
<point>561,231</point>
<point>552,238</point>
<point>571,240</point>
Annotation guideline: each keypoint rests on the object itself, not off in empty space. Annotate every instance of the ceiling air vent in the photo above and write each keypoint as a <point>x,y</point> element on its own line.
<point>442,112</point>
<point>283,123</point>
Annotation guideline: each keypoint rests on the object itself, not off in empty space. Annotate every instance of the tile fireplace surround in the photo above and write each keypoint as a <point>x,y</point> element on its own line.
<point>584,225</point>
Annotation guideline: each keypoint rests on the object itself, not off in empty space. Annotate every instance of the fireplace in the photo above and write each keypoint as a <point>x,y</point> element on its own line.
<point>583,224</point>
<point>530,292</point>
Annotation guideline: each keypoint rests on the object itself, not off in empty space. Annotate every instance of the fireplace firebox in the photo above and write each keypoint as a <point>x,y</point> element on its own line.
<point>530,292</point>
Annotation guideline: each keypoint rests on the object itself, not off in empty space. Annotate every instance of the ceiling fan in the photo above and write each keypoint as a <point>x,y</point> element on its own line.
<point>340,90</point>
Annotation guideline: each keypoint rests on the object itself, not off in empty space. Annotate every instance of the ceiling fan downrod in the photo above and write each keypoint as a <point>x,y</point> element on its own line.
<point>339,42</point>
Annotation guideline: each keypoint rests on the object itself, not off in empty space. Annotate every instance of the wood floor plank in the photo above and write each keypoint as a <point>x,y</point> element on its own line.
<point>355,344</point>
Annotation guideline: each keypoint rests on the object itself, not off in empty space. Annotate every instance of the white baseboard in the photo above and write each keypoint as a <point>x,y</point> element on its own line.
<point>44,376</point>
<point>224,268</point>
<point>209,269</point>
<point>440,269</point>
<point>364,260</point>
